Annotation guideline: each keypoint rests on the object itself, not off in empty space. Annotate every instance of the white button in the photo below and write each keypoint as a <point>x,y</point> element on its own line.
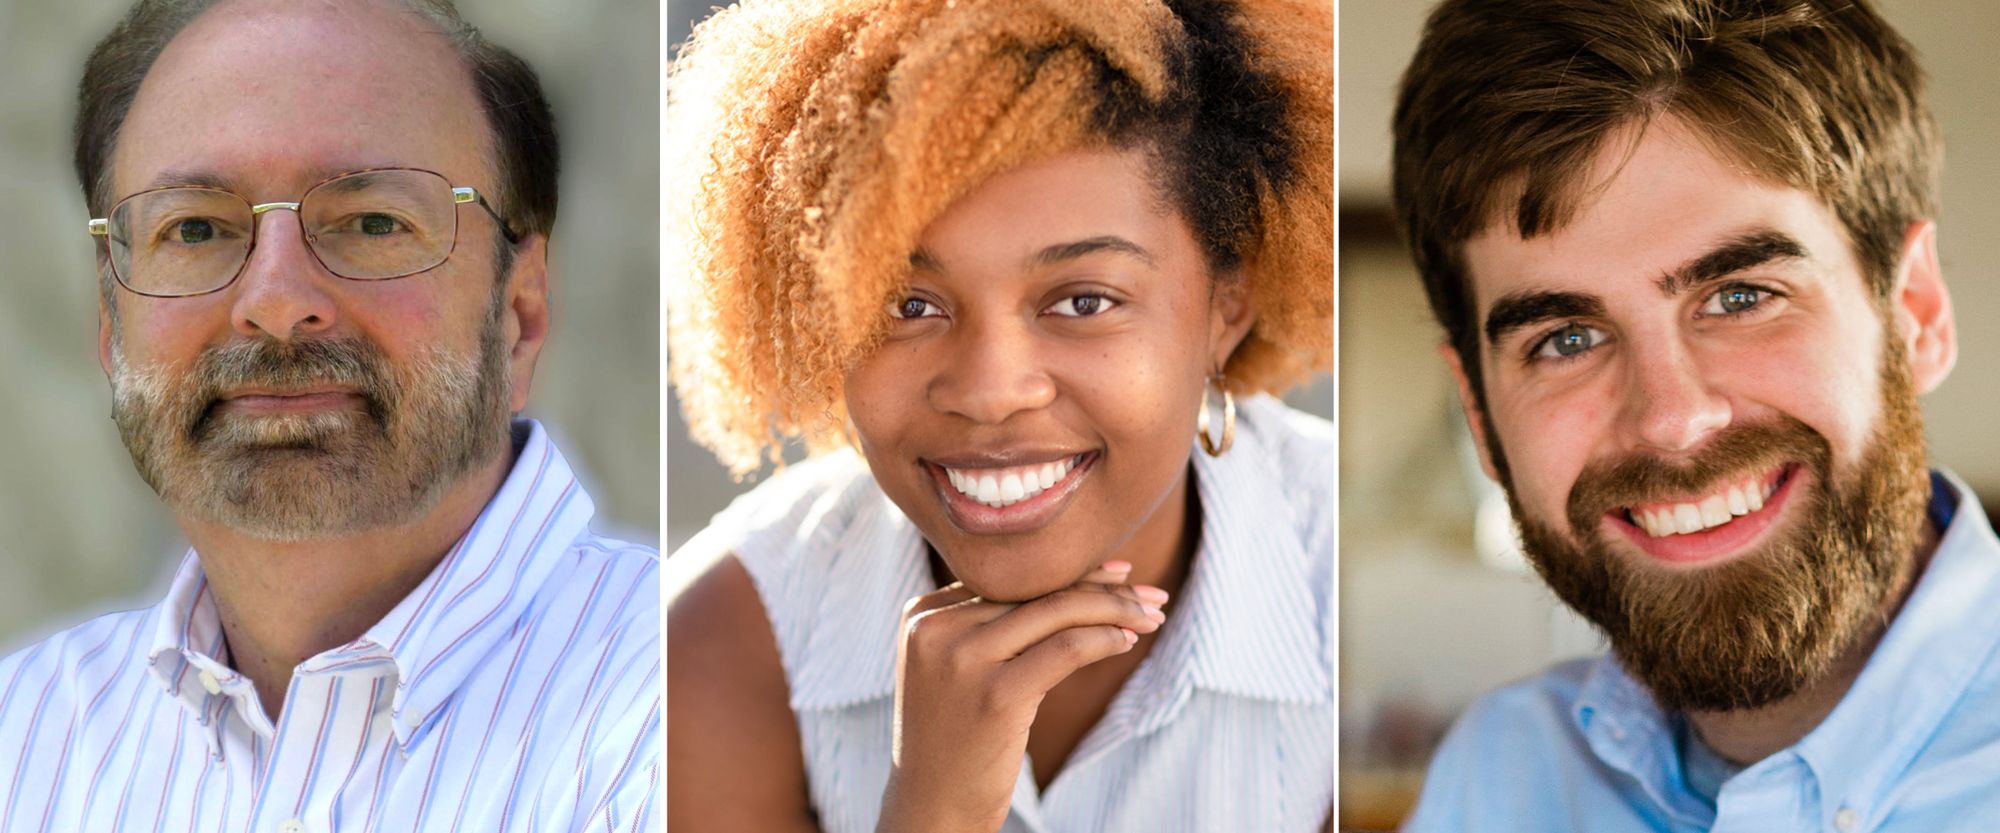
<point>293,826</point>
<point>209,682</point>
<point>1846,820</point>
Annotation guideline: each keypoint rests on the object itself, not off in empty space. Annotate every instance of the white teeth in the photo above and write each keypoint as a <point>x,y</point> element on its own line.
<point>1714,511</point>
<point>1710,512</point>
<point>1000,488</point>
<point>1687,517</point>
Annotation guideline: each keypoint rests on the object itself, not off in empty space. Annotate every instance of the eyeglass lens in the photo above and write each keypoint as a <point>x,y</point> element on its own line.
<point>372,225</point>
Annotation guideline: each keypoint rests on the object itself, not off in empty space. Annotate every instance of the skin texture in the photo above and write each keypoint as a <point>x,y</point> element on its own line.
<point>1666,374</point>
<point>1026,645</point>
<point>998,363</point>
<point>270,99</point>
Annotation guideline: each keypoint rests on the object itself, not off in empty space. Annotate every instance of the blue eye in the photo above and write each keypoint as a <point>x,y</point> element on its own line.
<point>1732,300</point>
<point>1081,306</point>
<point>914,307</point>
<point>1568,341</point>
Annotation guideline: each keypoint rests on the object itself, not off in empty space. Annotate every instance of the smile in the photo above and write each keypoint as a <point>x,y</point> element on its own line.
<point>1003,487</point>
<point>1013,499</point>
<point>1730,519</point>
<point>1725,504</point>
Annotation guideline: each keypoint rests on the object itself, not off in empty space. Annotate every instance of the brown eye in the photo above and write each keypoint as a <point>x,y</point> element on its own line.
<point>377,224</point>
<point>1081,306</point>
<point>914,307</point>
<point>194,231</point>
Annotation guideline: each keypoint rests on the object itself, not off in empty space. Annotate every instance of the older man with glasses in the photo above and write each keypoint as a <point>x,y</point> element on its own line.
<point>323,235</point>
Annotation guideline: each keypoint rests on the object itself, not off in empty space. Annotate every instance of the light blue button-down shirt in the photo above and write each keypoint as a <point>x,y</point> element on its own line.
<point>1914,747</point>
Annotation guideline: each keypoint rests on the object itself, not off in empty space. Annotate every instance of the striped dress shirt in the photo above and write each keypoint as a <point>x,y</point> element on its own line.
<point>1227,725</point>
<point>516,689</point>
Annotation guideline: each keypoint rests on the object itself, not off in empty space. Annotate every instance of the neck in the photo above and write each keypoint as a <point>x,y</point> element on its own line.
<point>282,603</point>
<point>1746,736</point>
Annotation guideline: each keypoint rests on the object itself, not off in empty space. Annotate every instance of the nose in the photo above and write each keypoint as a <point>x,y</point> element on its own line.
<point>282,291</point>
<point>1671,404</point>
<point>992,372</point>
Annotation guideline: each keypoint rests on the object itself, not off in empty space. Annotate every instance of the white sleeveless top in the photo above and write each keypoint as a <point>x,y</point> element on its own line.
<point>1227,725</point>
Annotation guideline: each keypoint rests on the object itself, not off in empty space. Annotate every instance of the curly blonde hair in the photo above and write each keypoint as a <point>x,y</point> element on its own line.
<point>816,141</point>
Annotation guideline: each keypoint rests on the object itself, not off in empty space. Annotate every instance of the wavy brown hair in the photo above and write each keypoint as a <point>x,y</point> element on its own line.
<point>812,144</point>
<point>1506,103</point>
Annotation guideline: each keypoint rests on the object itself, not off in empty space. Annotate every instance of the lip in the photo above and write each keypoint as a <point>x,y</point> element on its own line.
<point>1027,516</point>
<point>1720,543</point>
<point>267,401</point>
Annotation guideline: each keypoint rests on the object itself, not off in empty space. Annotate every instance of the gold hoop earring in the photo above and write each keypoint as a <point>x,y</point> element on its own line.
<point>1213,447</point>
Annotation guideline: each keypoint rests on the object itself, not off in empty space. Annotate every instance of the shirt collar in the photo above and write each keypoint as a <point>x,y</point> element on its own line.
<point>1945,633</point>
<point>438,634</point>
<point>1938,642</point>
<point>1248,627</point>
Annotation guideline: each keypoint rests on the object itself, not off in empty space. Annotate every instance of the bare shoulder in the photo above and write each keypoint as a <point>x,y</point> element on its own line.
<point>732,743</point>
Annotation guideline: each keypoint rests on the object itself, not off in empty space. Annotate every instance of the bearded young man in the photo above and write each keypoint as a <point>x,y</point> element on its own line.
<point>323,233</point>
<point>1684,254</point>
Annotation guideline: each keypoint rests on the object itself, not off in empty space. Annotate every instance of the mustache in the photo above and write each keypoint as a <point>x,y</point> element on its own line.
<point>347,362</point>
<point>1740,450</point>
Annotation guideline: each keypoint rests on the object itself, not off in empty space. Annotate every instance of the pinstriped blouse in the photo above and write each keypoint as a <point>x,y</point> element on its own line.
<point>1227,725</point>
<point>517,689</point>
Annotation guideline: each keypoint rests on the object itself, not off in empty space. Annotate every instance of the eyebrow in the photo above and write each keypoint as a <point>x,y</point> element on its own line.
<point>190,178</point>
<point>1746,251</point>
<point>1751,249</point>
<point>206,178</point>
<point>1516,310</point>
<point>1060,252</point>
<point>1050,255</point>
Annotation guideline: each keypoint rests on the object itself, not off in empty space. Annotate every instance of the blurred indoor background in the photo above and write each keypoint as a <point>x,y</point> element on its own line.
<point>82,534</point>
<point>697,485</point>
<point>1433,609</point>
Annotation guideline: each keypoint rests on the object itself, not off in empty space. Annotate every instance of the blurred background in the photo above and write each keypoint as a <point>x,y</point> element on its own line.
<point>82,533</point>
<point>1435,607</point>
<point>697,485</point>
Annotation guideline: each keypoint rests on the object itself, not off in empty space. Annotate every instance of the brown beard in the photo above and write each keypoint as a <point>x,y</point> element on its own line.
<point>294,477</point>
<point>1760,627</point>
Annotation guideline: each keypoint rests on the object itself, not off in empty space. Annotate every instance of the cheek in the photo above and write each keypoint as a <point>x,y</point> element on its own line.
<point>169,332</point>
<point>1547,437</point>
<point>880,392</point>
<point>1832,384</point>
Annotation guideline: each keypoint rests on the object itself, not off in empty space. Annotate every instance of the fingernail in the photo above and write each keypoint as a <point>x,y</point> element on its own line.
<point>1130,637</point>
<point>1118,566</point>
<point>1150,593</point>
<point>1154,613</point>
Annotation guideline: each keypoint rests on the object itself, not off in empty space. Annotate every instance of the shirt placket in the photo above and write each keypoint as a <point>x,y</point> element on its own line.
<point>332,732</point>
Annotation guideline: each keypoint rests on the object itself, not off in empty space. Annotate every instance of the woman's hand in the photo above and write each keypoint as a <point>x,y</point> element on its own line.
<point>970,675</point>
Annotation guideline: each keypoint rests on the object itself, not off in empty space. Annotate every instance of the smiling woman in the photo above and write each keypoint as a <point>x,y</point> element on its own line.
<point>1018,275</point>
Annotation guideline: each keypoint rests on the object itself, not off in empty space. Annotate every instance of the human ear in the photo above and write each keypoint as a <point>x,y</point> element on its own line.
<point>1231,312</point>
<point>526,317</point>
<point>1475,416</point>
<point>1921,308</point>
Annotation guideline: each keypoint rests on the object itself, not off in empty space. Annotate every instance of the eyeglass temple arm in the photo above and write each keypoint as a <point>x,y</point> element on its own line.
<point>464,194</point>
